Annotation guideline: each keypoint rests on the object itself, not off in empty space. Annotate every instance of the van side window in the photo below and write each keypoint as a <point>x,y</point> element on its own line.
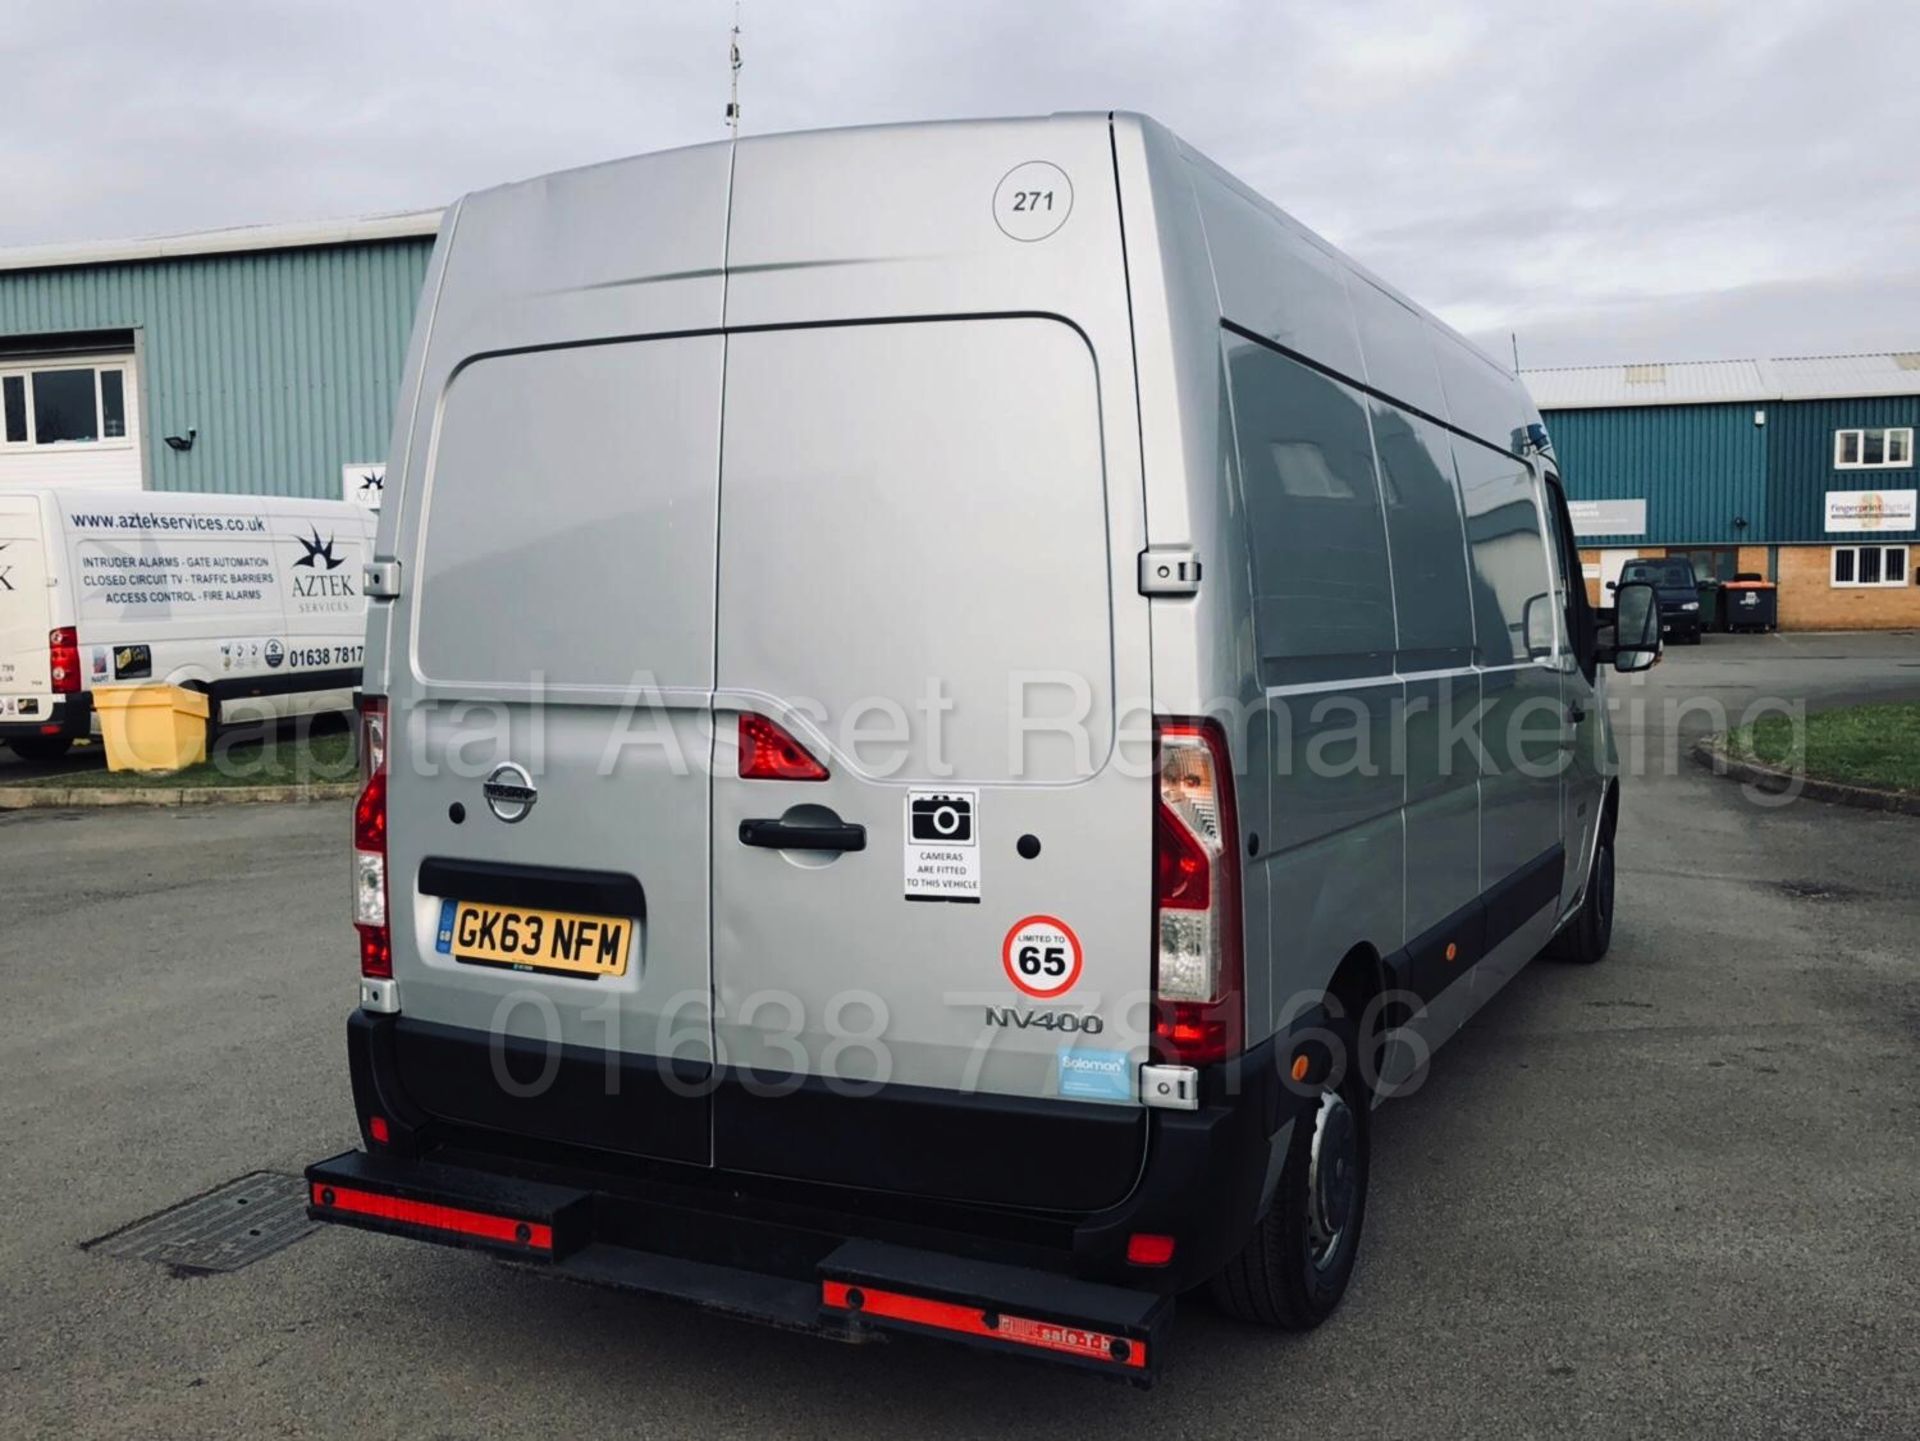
<point>1507,545</point>
<point>1323,598</point>
<point>1431,596</point>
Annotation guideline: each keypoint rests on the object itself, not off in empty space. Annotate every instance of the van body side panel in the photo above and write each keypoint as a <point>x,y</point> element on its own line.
<point>413,421</point>
<point>1203,646</point>
<point>1421,848</point>
<point>1325,632</point>
<point>1433,608</point>
<point>1523,721</point>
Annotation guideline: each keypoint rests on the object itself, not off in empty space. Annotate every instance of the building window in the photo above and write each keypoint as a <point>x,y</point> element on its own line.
<point>1873,449</point>
<point>1869,565</point>
<point>64,405</point>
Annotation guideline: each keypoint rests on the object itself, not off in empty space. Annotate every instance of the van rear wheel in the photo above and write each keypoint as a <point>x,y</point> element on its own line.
<point>1295,1267</point>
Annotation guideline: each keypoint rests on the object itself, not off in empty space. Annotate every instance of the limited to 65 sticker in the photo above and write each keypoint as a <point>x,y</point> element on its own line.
<point>1042,956</point>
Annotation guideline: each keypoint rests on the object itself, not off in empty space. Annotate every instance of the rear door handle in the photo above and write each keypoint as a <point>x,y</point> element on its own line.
<point>777,835</point>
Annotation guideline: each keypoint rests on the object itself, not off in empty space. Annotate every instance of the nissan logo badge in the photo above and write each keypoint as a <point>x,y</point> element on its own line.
<point>510,792</point>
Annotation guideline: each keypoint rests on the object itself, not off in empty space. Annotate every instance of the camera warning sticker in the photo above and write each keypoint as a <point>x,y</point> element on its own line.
<point>1042,956</point>
<point>943,846</point>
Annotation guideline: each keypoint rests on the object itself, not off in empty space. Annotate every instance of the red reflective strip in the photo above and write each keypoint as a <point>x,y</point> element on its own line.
<point>439,1218</point>
<point>972,1321</point>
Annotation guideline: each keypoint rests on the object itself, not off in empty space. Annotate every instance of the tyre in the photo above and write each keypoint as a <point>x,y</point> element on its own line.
<point>41,748</point>
<point>211,726</point>
<point>1295,1267</point>
<point>1585,938</point>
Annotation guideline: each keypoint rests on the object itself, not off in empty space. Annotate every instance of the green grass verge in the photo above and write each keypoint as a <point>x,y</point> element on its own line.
<point>1868,745</point>
<point>246,758</point>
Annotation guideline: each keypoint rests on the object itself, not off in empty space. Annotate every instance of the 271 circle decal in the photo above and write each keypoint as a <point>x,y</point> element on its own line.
<point>1042,956</point>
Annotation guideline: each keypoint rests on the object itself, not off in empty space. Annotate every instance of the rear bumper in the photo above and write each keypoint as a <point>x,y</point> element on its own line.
<point>665,1226</point>
<point>1680,623</point>
<point>68,717</point>
<point>784,1275</point>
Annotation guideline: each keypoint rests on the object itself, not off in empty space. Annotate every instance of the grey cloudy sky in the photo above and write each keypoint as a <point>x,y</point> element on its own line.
<point>1615,180</point>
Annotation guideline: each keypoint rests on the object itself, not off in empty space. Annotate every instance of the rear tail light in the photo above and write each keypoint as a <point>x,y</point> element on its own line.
<point>769,753</point>
<point>63,657</point>
<point>370,844</point>
<point>1198,1000</point>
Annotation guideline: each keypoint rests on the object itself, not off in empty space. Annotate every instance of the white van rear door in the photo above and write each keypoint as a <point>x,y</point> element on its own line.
<point>25,611</point>
<point>915,581</point>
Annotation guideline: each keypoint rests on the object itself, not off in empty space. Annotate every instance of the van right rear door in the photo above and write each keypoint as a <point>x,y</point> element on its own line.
<point>915,583</point>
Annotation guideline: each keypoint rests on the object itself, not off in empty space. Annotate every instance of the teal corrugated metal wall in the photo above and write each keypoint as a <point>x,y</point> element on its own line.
<point>1696,466</point>
<point>287,361</point>
<point>1800,467</point>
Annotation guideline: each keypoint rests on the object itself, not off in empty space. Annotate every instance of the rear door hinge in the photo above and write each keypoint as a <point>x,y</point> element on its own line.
<point>1170,570</point>
<point>381,579</point>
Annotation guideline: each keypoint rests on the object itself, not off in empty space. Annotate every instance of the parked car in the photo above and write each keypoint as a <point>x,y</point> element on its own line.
<point>1673,580</point>
<point>1046,1012</point>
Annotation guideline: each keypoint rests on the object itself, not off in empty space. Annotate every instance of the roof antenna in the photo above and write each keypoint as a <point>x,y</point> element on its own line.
<point>1514,336</point>
<point>733,56</point>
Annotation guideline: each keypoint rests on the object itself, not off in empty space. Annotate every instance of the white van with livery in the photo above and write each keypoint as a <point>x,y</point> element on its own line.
<point>947,707</point>
<point>254,600</point>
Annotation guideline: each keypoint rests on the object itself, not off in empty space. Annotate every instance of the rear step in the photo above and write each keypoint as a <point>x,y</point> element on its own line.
<point>857,1286</point>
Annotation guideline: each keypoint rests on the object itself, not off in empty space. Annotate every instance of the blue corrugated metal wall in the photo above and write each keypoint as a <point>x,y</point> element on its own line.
<point>1696,466</point>
<point>1699,467</point>
<point>287,361</point>
<point>1800,467</point>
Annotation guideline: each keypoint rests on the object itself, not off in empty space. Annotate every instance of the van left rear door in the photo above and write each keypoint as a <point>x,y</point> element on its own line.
<point>549,752</point>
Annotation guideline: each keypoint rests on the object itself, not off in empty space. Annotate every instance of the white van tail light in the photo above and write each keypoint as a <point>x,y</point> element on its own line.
<point>370,844</point>
<point>63,660</point>
<point>1196,901</point>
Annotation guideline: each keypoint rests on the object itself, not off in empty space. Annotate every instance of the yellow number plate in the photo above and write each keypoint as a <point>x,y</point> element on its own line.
<point>535,940</point>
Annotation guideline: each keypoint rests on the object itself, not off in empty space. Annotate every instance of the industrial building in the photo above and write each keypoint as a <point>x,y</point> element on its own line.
<point>1799,470</point>
<point>259,361</point>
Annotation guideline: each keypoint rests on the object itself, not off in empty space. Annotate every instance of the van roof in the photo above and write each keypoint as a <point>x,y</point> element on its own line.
<point>537,191</point>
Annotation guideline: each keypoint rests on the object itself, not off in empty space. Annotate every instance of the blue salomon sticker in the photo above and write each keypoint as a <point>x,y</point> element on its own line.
<point>1096,1075</point>
<point>443,938</point>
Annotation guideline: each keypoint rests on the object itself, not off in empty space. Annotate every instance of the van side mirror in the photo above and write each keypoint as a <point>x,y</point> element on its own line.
<point>1536,627</point>
<point>1634,642</point>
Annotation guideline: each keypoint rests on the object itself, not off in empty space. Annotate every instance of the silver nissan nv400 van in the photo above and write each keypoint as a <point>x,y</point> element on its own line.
<point>947,707</point>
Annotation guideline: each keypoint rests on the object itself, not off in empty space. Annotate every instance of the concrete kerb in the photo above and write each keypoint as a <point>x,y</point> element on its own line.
<point>1711,752</point>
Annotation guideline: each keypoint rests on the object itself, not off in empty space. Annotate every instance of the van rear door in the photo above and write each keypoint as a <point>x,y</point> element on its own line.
<point>548,768</point>
<point>915,585</point>
<point>25,604</point>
